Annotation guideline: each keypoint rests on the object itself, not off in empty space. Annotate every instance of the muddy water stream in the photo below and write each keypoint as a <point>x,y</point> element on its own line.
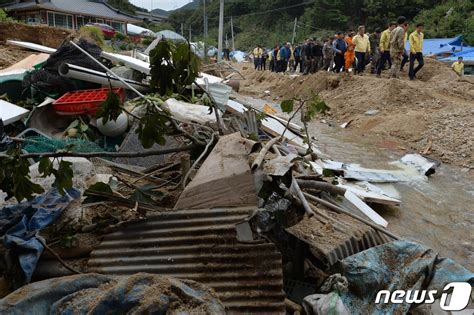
<point>438,212</point>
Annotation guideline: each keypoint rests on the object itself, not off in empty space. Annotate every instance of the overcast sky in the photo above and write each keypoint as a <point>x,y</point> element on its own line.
<point>160,4</point>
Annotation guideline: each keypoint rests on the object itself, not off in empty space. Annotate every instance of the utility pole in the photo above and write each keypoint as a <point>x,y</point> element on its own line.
<point>221,30</point>
<point>182,29</point>
<point>232,32</point>
<point>190,33</point>
<point>294,32</point>
<point>205,30</point>
<point>226,44</point>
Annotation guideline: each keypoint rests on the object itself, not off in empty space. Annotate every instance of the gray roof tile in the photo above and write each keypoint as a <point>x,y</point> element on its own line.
<point>84,7</point>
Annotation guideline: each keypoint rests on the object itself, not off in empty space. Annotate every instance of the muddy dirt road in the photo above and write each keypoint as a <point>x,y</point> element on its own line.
<point>437,212</point>
<point>434,113</point>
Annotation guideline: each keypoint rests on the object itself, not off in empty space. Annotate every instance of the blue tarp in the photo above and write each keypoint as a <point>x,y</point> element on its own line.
<point>100,294</point>
<point>20,223</point>
<point>467,54</point>
<point>437,46</point>
<point>238,55</point>
<point>398,265</point>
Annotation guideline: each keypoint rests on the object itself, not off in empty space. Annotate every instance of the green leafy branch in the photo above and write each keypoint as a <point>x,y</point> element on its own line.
<point>16,180</point>
<point>153,127</point>
<point>15,176</point>
<point>308,109</point>
<point>62,175</point>
<point>173,67</point>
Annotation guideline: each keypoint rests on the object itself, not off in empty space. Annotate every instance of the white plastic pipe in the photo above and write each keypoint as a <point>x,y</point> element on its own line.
<point>75,72</point>
<point>139,65</point>
<point>32,46</point>
<point>107,69</point>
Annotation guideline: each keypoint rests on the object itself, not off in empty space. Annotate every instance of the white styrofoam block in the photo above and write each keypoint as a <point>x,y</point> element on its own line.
<point>11,113</point>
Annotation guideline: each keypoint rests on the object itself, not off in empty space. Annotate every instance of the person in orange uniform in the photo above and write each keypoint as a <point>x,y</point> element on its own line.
<point>349,55</point>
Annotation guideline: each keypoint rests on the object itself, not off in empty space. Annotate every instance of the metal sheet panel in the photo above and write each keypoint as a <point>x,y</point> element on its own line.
<point>200,245</point>
<point>355,172</point>
<point>332,240</point>
<point>223,180</point>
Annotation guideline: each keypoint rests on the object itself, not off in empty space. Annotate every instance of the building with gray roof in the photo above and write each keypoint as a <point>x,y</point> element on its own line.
<point>70,14</point>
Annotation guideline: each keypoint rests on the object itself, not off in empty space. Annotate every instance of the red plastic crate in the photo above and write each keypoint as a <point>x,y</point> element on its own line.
<point>83,102</point>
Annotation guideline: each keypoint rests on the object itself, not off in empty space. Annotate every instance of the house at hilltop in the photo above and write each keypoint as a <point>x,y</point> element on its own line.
<point>70,14</point>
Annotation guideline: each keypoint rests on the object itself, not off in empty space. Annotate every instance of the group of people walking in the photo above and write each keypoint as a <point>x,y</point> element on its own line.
<point>351,51</point>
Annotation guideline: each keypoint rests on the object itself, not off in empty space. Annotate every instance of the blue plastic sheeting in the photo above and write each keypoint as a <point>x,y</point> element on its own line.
<point>20,223</point>
<point>467,54</point>
<point>99,294</point>
<point>398,265</point>
<point>436,46</point>
<point>238,55</point>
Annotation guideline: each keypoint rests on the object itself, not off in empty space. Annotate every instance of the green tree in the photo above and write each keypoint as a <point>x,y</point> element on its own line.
<point>270,21</point>
<point>4,17</point>
<point>452,18</point>
<point>125,6</point>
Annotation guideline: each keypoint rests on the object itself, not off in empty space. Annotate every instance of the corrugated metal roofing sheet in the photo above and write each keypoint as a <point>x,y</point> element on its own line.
<point>200,245</point>
<point>332,240</point>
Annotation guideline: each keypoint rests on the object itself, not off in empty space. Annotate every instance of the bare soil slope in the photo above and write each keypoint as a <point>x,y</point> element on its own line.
<point>10,55</point>
<point>38,34</point>
<point>435,112</point>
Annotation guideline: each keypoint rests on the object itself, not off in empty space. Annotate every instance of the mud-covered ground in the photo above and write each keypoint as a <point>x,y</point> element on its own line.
<point>38,34</point>
<point>10,55</point>
<point>433,115</point>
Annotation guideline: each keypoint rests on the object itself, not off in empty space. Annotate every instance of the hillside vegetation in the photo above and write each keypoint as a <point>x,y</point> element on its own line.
<point>270,21</point>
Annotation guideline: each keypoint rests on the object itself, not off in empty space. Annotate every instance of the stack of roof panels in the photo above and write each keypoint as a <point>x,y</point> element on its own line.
<point>200,245</point>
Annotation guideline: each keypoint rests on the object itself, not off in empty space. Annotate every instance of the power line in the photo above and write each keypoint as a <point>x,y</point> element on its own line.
<point>273,10</point>
<point>313,27</point>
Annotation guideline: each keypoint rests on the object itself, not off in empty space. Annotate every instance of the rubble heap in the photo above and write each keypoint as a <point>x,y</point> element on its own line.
<point>215,207</point>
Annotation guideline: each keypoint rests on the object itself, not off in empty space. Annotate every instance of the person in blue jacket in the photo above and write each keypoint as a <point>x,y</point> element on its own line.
<point>298,60</point>
<point>340,46</point>
<point>284,57</point>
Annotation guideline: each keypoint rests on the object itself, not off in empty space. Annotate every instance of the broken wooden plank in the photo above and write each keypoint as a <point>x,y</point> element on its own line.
<point>364,208</point>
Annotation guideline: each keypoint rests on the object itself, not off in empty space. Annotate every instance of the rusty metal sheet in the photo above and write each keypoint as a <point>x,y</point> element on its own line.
<point>223,180</point>
<point>332,240</point>
<point>280,165</point>
<point>200,245</point>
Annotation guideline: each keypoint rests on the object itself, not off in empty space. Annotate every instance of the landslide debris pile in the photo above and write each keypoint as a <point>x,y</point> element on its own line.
<point>436,109</point>
<point>172,208</point>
